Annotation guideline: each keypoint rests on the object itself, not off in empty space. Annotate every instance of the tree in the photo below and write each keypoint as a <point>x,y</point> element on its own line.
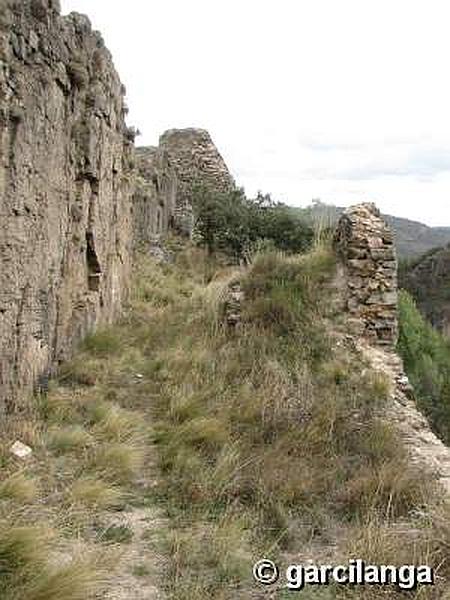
<point>282,225</point>
<point>231,223</point>
<point>221,221</point>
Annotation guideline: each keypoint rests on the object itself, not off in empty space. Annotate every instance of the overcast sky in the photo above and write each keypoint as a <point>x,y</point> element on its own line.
<point>342,100</point>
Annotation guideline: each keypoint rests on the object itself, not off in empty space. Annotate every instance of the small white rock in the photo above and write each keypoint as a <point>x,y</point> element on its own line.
<point>21,450</point>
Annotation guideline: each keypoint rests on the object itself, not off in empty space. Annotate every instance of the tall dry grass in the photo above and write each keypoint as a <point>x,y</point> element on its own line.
<point>272,428</point>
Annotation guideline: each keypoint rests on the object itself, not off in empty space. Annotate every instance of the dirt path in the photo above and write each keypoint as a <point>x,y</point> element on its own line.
<point>139,574</point>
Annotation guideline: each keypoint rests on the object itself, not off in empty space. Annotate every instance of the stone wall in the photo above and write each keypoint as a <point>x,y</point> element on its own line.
<point>65,189</point>
<point>367,254</point>
<point>196,161</point>
<point>155,195</point>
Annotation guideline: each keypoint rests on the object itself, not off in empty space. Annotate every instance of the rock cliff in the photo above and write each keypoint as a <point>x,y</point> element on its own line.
<point>65,188</point>
<point>75,197</point>
<point>155,195</point>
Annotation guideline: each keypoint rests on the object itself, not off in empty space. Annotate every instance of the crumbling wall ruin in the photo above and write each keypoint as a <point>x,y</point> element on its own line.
<point>196,161</point>
<point>167,178</point>
<point>65,188</point>
<point>368,264</point>
<point>368,279</point>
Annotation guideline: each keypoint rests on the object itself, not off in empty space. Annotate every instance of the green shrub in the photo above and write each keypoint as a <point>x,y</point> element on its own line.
<point>426,354</point>
<point>102,343</point>
<point>231,223</point>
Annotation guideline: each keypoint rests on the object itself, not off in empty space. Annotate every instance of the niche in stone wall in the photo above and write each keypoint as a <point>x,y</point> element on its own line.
<point>93,264</point>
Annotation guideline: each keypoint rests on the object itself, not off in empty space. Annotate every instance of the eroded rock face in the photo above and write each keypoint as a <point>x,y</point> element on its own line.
<point>65,189</point>
<point>366,249</point>
<point>196,161</point>
<point>155,195</point>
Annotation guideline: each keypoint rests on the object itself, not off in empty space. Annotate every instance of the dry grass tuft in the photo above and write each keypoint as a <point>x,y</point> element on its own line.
<point>23,553</point>
<point>116,424</point>
<point>79,580</point>
<point>275,428</point>
<point>58,406</point>
<point>118,462</point>
<point>421,540</point>
<point>228,556</point>
<point>268,436</point>
<point>96,493</point>
<point>69,439</point>
<point>18,487</point>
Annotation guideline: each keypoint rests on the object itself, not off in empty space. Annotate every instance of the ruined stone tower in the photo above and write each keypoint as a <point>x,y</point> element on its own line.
<point>365,246</point>
<point>196,161</point>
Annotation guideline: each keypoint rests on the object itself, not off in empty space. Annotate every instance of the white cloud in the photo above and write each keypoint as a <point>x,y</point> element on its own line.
<point>343,100</point>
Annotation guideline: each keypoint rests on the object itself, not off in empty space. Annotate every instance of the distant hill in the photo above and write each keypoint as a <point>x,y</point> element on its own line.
<point>413,239</point>
<point>428,280</point>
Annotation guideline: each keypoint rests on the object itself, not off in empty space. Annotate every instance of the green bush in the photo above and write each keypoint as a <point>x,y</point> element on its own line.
<point>237,226</point>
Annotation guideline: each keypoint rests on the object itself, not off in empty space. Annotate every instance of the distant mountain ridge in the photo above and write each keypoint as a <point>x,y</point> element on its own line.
<point>413,238</point>
<point>427,279</point>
